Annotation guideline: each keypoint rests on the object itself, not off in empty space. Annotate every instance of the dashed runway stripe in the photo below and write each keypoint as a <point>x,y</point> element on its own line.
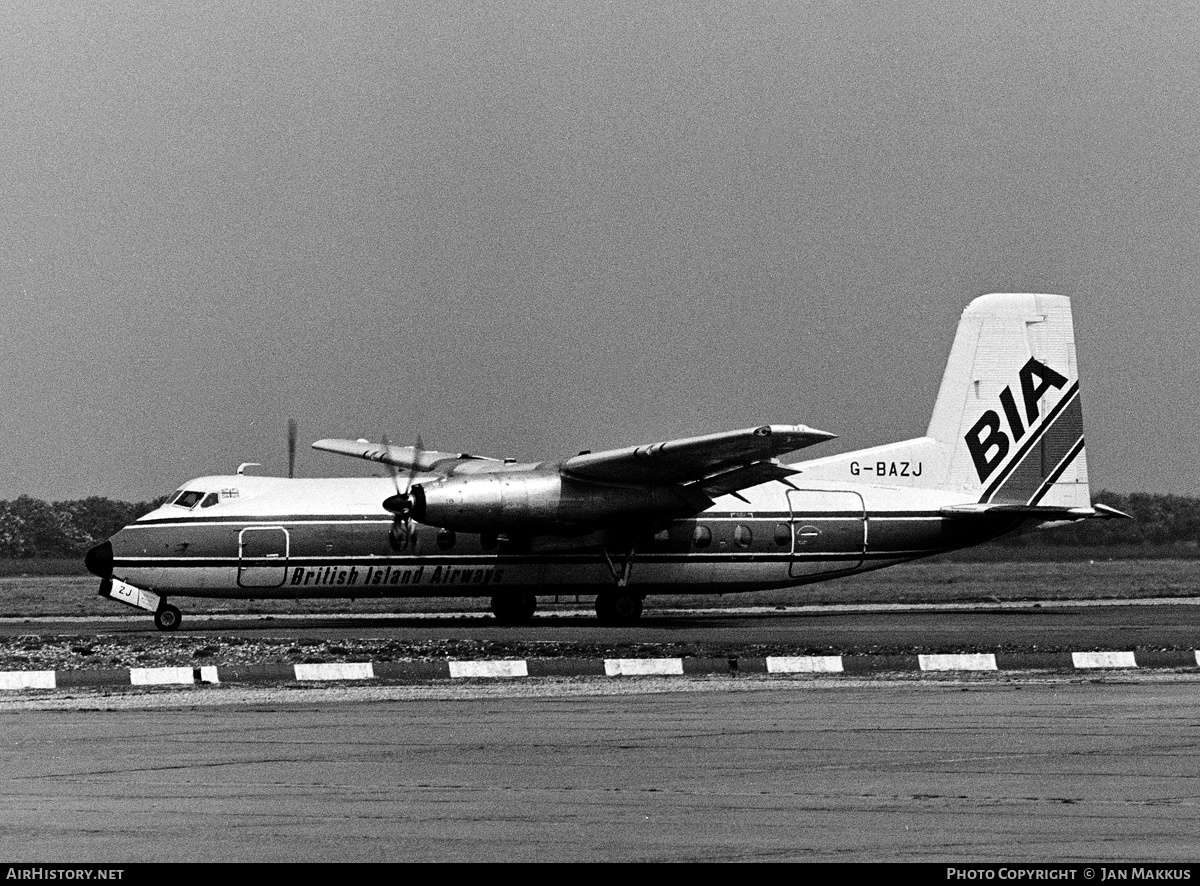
<point>972,661</point>
<point>804,664</point>
<point>643,667</point>
<point>489,669</point>
<point>161,676</point>
<point>342,670</point>
<point>1104,659</point>
<point>427,671</point>
<point>27,680</point>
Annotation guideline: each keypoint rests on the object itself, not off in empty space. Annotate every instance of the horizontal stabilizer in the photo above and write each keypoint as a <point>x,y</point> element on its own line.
<point>1045,512</point>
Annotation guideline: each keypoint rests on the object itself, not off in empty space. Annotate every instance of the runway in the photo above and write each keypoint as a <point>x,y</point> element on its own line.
<point>819,769</point>
<point>1004,767</point>
<point>1077,625</point>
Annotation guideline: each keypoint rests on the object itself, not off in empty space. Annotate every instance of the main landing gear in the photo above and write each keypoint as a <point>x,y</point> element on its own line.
<point>622,606</point>
<point>618,607</point>
<point>514,609</point>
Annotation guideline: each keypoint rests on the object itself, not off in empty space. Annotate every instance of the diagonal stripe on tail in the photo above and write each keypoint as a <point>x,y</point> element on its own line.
<point>1044,456</point>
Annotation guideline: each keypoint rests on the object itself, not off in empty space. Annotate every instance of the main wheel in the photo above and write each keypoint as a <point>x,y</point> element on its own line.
<point>514,609</point>
<point>618,608</point>
<point>167,618</point>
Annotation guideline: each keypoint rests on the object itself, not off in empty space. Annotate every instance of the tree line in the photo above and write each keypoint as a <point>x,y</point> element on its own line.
<point>1157,520</point>
<point>32,528</point>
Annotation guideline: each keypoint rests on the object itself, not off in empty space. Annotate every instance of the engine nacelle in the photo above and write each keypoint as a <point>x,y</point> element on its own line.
<point>545,502</point>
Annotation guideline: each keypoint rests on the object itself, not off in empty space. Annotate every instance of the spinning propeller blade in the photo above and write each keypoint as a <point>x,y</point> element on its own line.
<point>291,447</point>
<point>401,504</point>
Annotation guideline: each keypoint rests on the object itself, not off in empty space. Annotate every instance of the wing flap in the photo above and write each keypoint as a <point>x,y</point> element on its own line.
<point>693,458</point>
<point>743,478</point>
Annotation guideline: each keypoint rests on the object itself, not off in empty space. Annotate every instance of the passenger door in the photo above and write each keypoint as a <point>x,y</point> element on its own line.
<point>829,531</point>
<point>262,557</point>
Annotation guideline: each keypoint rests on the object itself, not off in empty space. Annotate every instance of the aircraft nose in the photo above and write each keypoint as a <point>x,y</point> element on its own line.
<point>99,560</point>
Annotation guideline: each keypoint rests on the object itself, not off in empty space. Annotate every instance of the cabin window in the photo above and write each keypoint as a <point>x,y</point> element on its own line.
<point>209,500</point>
<point>783,534</point>
<point>742,536</point>
<point>445,539</point>
<point>702,537</point>
<point>188,499</point>
<point>662,535</point>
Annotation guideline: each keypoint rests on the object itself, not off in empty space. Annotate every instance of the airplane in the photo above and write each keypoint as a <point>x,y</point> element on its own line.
<point>713,514</point>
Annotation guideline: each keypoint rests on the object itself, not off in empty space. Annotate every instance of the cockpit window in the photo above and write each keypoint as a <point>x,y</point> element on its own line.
<point>209,500</point>
<point>189,498</point>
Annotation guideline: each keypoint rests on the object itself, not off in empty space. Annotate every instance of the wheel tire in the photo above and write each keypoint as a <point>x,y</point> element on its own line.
<point>618,608</point>
<point>514,609</point>
<point>167,618</point>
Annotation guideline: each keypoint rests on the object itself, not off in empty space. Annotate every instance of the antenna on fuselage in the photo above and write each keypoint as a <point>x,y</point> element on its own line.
<point>291,448</point>
<point>247,464</point>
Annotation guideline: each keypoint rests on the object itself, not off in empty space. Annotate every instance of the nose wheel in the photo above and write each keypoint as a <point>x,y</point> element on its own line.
<point>167,618</point>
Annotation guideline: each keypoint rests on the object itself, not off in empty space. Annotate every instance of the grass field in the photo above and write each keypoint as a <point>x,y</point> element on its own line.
<point>928,581</point>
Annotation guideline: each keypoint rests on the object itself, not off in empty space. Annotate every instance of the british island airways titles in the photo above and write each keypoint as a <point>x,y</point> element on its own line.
<point>352,576</point>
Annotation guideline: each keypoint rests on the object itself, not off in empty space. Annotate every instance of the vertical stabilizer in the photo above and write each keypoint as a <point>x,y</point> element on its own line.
<point>1007,427</point>
<point>1009,409</point>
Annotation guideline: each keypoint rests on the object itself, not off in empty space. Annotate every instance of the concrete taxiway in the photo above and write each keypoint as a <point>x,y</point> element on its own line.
<point>653,769</point>
<point>1079,625</point>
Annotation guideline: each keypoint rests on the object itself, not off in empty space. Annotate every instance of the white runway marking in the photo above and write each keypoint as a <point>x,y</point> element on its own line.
<point>643,667</point>
<point>160,676</point>
<point>489,669</point>
<point>804,664</point>
<point>27,680</point>
<point>964,661</point>
<point>345,670</point>
<point>1103,660</point>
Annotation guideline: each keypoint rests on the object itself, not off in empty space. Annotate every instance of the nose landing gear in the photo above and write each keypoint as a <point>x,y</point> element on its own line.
<point>166,616</point>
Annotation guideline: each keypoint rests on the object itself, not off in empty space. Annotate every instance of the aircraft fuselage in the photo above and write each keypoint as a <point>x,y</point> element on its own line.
<point>278,538</point>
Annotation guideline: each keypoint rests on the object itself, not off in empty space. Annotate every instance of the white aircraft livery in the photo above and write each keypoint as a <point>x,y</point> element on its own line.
<point>712,514</point>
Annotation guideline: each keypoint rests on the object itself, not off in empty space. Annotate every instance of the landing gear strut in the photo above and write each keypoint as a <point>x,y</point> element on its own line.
<point>167,618</point>
<point>514,609</point>
<point>618,607</point>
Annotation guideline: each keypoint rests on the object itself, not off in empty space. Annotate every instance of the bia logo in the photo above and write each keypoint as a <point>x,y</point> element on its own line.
<point>986,441</point>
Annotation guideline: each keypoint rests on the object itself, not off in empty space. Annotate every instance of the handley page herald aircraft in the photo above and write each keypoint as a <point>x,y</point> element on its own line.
<point>712,514</point>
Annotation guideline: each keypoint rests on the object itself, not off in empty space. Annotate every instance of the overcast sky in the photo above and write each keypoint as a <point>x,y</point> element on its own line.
<point>529,228</point>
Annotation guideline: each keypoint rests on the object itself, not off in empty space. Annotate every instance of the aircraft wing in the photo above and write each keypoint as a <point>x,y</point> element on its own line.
<point>406,457</point>
<point>717,463</point>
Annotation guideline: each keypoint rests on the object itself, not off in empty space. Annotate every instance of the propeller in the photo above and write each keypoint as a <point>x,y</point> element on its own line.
<point>402,503</point>
<point>291,447</point>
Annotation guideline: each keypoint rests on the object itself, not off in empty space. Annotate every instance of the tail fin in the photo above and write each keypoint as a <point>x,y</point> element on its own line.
<point>1007,427</point>
<point>1009,403</point>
